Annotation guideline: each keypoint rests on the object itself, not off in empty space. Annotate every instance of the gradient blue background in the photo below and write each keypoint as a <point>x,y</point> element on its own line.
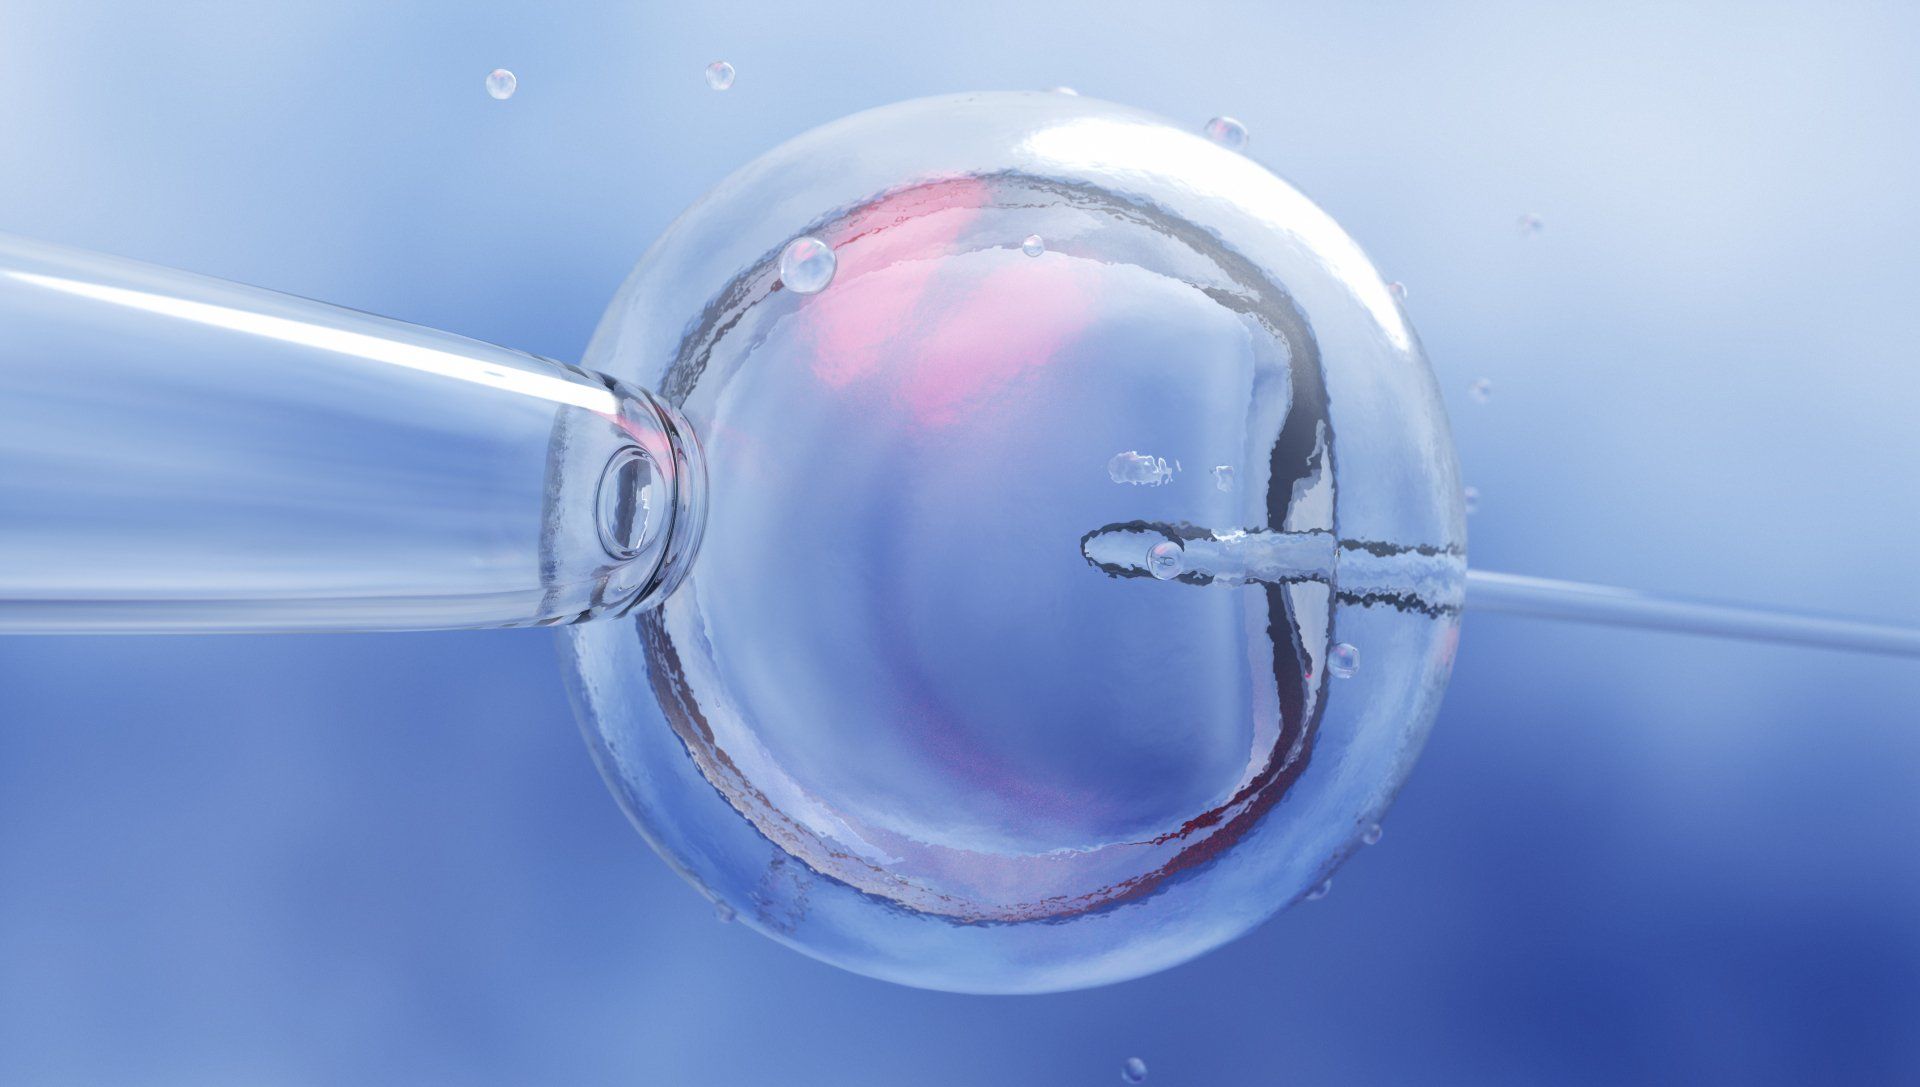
<point>1626,858</point>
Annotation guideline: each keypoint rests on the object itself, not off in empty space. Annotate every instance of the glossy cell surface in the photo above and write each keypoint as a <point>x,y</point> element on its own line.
<point>1003,663</point>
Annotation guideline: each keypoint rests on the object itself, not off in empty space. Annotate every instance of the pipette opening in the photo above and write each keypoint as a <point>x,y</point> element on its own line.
<point>650,507</point>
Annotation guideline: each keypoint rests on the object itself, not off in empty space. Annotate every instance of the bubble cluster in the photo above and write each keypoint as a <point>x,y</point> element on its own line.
<point>1139,469</point>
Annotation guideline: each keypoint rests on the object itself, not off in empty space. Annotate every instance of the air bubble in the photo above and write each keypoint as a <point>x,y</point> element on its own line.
<point>1343,660</point>
<point>501,83</point>
<point>720,75</point>
<point>1139,469</point>
<point>1166,560</point>
<point>1034,245</point>
<point>1133,1070</point>
<point>1227,132</point>
<point>722,912</point>
<point>1320,892</point>
<point>1529,224</point>
<point>807,265</point>
<point>1223,477</point>
<point>1398,290</point>
<point>1481,390</point>
<point>1371,835</point>
<point>1470,498</point>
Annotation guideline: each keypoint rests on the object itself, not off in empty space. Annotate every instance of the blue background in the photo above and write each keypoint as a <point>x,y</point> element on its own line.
<point>1626,858</point>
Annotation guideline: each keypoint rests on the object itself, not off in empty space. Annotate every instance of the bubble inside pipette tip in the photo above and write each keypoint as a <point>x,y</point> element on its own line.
<point>1227,132</point>
<point>1343,661</point>
<point>1033,245</point>
<point>1133,1070</point>
<point>1166,560</point>
<point>720,75</point>
<point>501,83</point>
<point>807,265</point>
<point>1371,835</point>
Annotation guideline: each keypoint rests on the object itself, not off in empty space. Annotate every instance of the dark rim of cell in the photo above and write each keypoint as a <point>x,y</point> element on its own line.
<point>1302,449</point>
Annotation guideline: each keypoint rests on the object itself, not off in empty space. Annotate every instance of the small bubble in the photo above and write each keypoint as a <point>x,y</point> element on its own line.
<point>1034,245</point>
<point>1223,477</point>
<point>1133,1070</point>
<point>719,75</point>
<point>1069,91</point>
<point>1481,390</point>
<point>501,83</point>
<point>1139,469</point>
<point>1371,835</point>
<point>1343,661</point>
<point>1166,560</point>
<point>1227,132</point>
<point>722,912</point>
<point>1470,498</point>
<point>807,265</point>
<point>1398,290</point>
<point>1530,224</point>
<point>1320,892</point>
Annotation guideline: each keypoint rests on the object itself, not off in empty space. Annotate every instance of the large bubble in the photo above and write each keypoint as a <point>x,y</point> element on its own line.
<point>1003,665</point>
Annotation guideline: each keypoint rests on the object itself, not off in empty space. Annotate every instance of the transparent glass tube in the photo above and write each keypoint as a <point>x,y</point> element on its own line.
<point>183,453</point>
<point>1605,605</point>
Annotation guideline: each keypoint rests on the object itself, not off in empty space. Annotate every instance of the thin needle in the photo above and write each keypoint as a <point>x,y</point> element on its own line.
<point>1545,598</point>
